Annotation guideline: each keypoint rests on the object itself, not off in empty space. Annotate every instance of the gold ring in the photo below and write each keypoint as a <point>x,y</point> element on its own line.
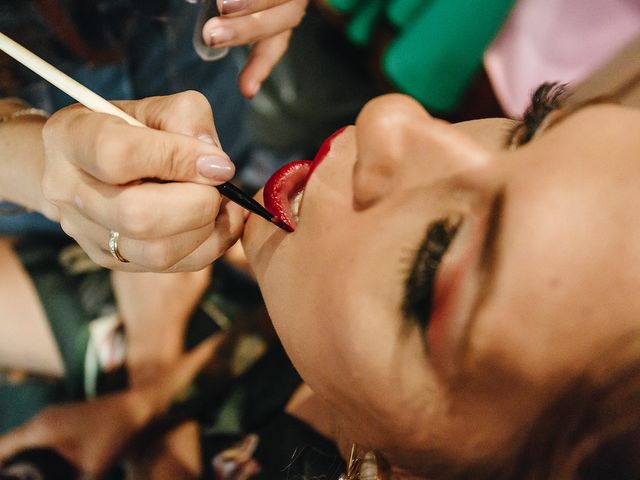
<point>113,246</point>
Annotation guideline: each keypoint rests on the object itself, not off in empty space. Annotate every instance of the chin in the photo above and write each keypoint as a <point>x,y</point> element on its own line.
<point>254,235</point>
<point>259,240</point>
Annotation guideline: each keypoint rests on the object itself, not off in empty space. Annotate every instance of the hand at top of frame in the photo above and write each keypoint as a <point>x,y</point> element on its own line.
<point>265,23</point>
<point>154,186</point>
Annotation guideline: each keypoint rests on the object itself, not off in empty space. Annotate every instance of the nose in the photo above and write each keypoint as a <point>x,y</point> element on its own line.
<point>401,146</point>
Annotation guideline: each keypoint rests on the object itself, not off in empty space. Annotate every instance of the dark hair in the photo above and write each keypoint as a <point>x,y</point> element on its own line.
<point>591,431</point>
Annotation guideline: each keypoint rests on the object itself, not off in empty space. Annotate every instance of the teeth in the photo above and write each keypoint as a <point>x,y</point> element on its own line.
<point>295,204</point>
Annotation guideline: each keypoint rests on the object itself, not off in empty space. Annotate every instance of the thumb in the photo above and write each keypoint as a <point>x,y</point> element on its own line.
<point>125,154</point>
<point>181,144</point>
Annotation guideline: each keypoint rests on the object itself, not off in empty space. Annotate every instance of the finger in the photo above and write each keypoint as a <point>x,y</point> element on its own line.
<point>163,254</point>
<point>228,32</point>
<point>244,7</point>
<point>148,210</point>
<point>188,113</point>
<point>120,153</point>
<point>94,241</point>
<point>264,56</point>
<point>228,228</point>
<point>189,251</point>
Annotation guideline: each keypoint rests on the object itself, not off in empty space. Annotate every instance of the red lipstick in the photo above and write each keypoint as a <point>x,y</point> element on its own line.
<point>279,191</point>
<point>324,150</point>
<point>288,182</point>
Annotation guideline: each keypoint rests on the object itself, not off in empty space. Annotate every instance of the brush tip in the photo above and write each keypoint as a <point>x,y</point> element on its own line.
<point>282,224</point>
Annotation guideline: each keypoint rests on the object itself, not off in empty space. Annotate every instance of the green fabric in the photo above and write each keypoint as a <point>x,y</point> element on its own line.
<point>362,25</point>
<point>344,5</point>
<point>19,402</point>
<point>401,13</point>
<point>439,44</point>
<point>58,293</point>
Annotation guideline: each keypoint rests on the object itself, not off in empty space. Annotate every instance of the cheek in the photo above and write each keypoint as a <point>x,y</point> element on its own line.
<point>331,305</point>
<point>299,281</point>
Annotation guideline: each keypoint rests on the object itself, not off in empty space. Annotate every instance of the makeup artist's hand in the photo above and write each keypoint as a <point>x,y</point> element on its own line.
<point>265,23</point>
<point>97,171</point>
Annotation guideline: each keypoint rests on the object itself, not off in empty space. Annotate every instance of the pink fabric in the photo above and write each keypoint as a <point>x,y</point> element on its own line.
<point>556,40</point>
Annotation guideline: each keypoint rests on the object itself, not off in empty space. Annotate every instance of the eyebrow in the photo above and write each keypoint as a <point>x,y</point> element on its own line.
<point>487,268</point>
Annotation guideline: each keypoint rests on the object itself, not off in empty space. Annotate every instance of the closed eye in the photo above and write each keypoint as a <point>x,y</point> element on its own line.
<point>421,278</point>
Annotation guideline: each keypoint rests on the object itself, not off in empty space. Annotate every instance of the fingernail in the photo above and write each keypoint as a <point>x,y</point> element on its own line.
<point>233,6</point>
<point>216,168</point>
<point>219,35</point>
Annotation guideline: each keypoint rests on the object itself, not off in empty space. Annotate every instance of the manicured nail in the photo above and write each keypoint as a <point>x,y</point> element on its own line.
<point>220,35</point>
<point>233,6</point>
<point>216,168</point>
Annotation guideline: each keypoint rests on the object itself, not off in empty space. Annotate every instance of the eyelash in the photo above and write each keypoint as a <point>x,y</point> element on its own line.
<point>547,98</point>
<point>420,283</point>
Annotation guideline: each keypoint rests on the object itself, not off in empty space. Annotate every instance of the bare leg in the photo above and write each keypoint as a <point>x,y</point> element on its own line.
<point>155,308</point>
<point>26,339</point>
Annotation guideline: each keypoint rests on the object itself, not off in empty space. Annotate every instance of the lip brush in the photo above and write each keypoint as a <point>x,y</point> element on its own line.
<point>96,103</point>
<point>236,195</point>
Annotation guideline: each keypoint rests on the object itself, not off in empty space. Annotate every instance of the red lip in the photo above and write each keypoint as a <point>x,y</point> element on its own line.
<point>288,181</point>
<point>324,149</point>
<point>280,190</point>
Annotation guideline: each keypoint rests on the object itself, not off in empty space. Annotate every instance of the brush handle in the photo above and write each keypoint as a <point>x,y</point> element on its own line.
<point>96,103</point>
<point>68,85</point>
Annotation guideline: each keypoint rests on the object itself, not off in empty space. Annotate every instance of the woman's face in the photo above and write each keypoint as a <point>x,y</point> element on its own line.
<point>440,289</point>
